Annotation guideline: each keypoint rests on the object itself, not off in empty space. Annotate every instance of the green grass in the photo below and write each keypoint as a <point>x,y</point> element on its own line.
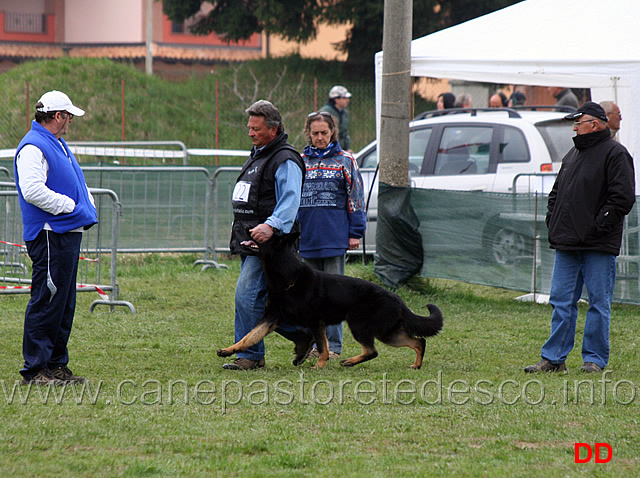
<point>470,411</point>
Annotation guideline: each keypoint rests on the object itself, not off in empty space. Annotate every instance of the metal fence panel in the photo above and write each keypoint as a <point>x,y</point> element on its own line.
<point>95,272</point>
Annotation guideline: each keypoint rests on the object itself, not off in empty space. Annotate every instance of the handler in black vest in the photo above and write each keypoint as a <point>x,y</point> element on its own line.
<point>265,202</point>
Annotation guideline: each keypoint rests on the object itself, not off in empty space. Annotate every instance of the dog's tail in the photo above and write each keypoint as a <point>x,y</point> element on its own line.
<point>420,326</point>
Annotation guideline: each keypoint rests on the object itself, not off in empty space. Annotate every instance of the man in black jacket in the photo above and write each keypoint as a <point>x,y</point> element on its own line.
<point>594,191</point>
<point>265,202</point>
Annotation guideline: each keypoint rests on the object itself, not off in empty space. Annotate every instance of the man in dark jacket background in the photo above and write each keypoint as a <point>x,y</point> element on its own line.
<point>594,191</point>
<point>339,98</point>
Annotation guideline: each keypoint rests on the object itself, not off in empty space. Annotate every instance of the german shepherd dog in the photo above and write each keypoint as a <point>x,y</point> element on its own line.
<point>299,295</point>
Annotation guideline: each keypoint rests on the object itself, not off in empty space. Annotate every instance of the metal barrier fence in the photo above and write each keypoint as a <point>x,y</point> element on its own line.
<point>165,208</point>
<point>127,153</point>
<point>466,235</point>
<point>15,266</point>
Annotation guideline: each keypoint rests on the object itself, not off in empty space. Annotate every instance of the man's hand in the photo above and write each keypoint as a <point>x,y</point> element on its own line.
<point>353,243</point>
<point>261,233</point>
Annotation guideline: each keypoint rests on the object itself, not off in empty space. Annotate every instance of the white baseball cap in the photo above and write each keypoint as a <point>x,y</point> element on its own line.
<point>339,91</point>
<point>57,101</point>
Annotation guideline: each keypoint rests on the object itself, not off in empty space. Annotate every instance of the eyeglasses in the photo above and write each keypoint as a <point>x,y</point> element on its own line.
<point>65,114</point>
<point>319,113</point>
<point>578,123</point>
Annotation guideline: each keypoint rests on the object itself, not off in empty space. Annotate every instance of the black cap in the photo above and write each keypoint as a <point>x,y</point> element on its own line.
<point>589,108</point>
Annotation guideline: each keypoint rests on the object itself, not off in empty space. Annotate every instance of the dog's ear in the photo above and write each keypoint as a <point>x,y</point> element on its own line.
<point>293,236</point>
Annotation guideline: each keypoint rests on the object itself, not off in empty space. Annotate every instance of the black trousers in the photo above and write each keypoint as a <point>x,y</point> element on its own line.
<point>49,315</point>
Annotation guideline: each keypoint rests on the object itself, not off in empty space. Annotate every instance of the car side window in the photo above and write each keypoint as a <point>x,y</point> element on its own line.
<point>371,159</point>
<point>418,141</point>
<point>464,150</point>
<point>514,147</point>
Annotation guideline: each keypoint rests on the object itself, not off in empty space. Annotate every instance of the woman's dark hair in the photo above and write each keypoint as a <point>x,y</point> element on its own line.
<point>448,99</point>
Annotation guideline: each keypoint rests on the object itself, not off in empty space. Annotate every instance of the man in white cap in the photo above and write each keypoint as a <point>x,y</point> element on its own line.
<point>337,105</point>
<point>56,207</point>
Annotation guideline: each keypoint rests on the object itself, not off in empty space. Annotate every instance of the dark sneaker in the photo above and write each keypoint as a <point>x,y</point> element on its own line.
<point>244,364</point>
<point>43,377</point>
<point>590,367</point>
<point>63,373</point>
<point>546,366</point>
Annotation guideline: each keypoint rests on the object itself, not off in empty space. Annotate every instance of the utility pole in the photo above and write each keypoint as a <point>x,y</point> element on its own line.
<point>149,57</point>
<point>395,108</point>
<point>399,253</point>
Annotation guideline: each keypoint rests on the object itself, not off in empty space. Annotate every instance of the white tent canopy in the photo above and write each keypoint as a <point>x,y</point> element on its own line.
<point>573,43</point>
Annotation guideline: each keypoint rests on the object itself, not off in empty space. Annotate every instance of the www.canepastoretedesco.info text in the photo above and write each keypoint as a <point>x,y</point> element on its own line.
<point>312,391</point>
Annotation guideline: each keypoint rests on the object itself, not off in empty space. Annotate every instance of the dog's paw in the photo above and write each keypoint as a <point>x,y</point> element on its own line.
<point>223,353</point>
<point>346,363</point>
<point>297,362</point>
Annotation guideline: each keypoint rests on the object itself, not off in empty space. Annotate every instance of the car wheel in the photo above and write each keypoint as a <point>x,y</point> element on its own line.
<point>508,246</point>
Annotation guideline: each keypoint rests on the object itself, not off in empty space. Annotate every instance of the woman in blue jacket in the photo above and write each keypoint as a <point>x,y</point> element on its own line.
<point>331,215</point>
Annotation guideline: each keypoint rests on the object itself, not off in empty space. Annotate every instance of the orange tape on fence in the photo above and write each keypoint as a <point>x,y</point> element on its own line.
<point>22,245</point>
<point>100,292</point>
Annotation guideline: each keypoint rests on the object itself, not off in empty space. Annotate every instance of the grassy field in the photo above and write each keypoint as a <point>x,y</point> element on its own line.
<point>159,404</point>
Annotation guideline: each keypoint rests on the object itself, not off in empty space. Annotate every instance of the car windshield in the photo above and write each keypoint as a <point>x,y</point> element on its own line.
<point>558,136</point>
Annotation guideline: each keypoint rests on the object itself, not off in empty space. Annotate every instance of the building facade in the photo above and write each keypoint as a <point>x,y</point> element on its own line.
<point>123,30</point>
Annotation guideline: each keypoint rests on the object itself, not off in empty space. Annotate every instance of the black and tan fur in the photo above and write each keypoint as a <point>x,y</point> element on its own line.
<point>312,299</point>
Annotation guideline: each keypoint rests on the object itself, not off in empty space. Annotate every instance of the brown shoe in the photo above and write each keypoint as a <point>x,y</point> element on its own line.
<point>43,377</point>
<point>590,367</point>
<point>546,366</point>
<point>332,355</point>
<point>244,364</point>
<point>63,373</point>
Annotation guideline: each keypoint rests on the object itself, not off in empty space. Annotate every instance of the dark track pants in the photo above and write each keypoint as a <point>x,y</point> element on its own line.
<point>49,315</point>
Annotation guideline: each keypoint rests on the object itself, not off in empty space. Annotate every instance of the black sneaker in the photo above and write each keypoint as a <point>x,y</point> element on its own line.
<point>43,377</point>
<point>64,374</point>
<point>546,366</point>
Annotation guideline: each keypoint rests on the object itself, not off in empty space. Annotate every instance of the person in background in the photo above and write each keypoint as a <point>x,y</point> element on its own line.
<point>56,208</point>
<point>615,117</point>
<point>331,215</point>
<point>464,101</point>
<point>517,98</point>
<point>265,202</point>
<point>593,192</point>
<point>339,98</point>
<point>498,100</point>
<point>445,101</point>
<point>564,96</point>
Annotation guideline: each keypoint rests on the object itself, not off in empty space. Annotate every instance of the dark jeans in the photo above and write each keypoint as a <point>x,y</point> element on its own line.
<point>49,315</point>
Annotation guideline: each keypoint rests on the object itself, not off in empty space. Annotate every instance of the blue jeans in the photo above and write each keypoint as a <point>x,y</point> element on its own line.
<point>251,295</point>
<point>572,270</point>
<point>333,265</point>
